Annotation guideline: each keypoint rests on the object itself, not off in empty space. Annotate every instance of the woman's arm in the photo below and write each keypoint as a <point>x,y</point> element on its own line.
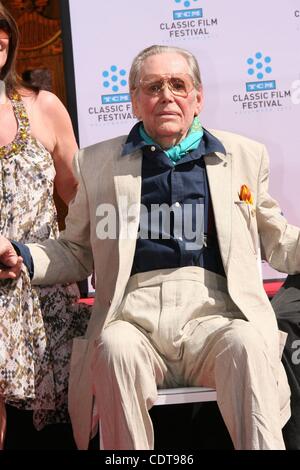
<point>52,126</point>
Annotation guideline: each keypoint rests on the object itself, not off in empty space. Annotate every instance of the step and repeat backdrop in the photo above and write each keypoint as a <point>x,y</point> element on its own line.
<point>249,56</point>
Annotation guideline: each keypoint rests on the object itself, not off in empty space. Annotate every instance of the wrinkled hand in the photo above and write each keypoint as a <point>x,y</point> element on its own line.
<point>11,263</point>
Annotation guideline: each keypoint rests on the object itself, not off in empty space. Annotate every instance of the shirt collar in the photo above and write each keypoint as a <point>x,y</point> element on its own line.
<point>134,141</point>
<point>209,143</point>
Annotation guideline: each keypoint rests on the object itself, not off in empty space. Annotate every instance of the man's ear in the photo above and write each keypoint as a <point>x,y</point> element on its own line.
<point>199,101</point>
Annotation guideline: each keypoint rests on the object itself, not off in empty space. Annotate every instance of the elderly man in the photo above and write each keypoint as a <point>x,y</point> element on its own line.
<point>170,216</point>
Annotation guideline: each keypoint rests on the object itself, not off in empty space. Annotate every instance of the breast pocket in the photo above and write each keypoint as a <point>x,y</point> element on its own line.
<point>248,218</point>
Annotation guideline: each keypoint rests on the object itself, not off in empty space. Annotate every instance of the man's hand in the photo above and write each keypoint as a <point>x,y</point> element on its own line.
<point>10,262</point>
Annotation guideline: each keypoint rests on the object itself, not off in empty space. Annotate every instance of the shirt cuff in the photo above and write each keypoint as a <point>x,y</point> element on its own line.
<point>24,251</point>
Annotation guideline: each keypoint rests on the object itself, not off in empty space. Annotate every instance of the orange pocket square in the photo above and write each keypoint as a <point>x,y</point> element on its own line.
<point>245,194</point>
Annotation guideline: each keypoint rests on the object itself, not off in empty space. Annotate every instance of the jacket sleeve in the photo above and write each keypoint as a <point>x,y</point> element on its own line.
<point>279,240</point>
<point>70,257</point>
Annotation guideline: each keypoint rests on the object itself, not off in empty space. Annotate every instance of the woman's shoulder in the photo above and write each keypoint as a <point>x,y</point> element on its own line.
<point>44,100</point>
<point>48,102</point>
<point>42,108</point>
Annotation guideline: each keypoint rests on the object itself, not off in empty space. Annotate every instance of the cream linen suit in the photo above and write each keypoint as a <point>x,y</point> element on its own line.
<point>107,177</point>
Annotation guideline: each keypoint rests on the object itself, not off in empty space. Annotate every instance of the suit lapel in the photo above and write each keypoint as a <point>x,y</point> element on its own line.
<point>219,172</point>
<point>128,194</point>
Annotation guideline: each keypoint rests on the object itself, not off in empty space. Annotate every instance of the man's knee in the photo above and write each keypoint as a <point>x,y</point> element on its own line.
<point>118,341</point>
<point>244,339</point>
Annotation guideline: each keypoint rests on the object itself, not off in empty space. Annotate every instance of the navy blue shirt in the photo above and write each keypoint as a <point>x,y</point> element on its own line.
<point>186,234</point>
<point>23,250</point>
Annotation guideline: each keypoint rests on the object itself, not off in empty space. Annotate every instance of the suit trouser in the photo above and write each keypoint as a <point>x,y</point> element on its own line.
<point>286,304</point>
<point>179,328</point>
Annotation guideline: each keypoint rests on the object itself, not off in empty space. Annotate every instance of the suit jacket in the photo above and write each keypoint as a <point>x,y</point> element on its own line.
<point>106,177</point>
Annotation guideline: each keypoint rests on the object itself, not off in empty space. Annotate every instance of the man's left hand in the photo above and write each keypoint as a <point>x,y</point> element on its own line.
<point>10,262</point>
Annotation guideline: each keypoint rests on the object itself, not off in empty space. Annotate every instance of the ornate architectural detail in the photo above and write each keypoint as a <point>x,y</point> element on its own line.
<point>47,8</point>
<point>41,43</point>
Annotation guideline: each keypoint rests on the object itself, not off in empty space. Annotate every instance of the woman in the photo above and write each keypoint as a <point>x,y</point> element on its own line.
<point>37,325</point>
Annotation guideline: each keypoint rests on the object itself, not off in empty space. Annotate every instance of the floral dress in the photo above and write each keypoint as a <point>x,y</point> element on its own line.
<point>37,324</point>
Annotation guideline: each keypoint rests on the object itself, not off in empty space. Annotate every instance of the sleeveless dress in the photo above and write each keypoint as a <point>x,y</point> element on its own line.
<point>37,324</point>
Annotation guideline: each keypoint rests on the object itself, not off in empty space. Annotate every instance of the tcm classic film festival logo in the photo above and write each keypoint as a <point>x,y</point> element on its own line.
<point>261,89</point>
<point>188,21</point>
<point>115,103</point>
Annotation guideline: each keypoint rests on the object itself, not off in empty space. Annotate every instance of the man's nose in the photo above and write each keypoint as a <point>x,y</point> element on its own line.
<point>166,93</point>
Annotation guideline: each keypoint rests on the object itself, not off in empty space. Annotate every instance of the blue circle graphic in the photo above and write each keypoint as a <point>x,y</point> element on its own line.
<point>258,65</point>
<point>115,78</point>
<point>186,3</point>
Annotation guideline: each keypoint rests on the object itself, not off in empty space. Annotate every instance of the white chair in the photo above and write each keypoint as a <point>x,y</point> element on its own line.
<point>172,396</point>
<point>175,396</point>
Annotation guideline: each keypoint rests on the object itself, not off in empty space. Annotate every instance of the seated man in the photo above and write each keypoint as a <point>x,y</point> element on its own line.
<point>286,304</point>
<point>170,216</point>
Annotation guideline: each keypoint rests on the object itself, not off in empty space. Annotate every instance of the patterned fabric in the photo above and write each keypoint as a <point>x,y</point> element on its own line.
<point>37,325</point>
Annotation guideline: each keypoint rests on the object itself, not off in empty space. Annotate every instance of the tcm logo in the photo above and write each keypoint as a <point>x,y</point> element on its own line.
<point>259,67</point>
<point>114,80</point>
<point>188,12</point>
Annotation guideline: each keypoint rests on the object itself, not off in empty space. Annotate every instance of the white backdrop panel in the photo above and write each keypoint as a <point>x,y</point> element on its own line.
<point>249,59</point>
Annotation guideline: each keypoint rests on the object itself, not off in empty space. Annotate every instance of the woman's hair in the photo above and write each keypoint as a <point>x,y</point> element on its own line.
<point>8,72</point>
<point>137,63</point>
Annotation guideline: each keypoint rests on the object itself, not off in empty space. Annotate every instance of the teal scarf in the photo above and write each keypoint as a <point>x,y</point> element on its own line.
<point>189,143</point>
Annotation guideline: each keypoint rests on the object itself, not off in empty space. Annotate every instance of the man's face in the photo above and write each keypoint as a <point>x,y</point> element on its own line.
<point>4,43</point>
<point>167,117</point>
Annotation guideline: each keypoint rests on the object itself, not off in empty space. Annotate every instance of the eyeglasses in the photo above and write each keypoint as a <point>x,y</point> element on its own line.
<point>180,84</point>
